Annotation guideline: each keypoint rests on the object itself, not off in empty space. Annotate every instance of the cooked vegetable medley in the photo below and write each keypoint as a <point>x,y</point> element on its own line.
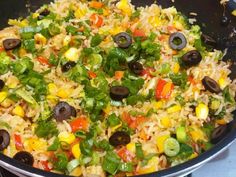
<point>104,88</point>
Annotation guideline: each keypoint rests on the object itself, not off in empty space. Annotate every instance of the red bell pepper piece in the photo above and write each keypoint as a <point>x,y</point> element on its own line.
<point>125,154</point>
<point>18,142</point>
<point>80,123</point>
<point>164,89</point>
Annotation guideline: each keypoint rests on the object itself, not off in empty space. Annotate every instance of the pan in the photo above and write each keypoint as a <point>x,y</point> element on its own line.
<point>211,17</point>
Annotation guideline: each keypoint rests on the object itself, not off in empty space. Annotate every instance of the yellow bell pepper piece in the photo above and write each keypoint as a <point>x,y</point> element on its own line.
<point>80,12</point>
<point>221,121</point>
<point>157,104</point>
<point>234,12</point>
<point>194,155</point>
<point>66,137</point>
<point>19,23</point>
<point>66,40</point>
<point>107,110</point>
<point>173,109</point>
<point>154,21</point>
<point>131,147</point>
<point>18,111</point>
<point>62,93</point>
<point>37,144</point>
<point>150,167</point>
<point>76,172</point>
<point>222,83</point>
<point>76,151</point>
<point>52,88</point>
<point>40,39</point>
<point>166,122</point>
<point>160,142</point>
<point>22,52</point>
<point>125,7</point>
<point>116,127</point>
<point>35,15</point>
<point>3,96</point>
<point>176,68</point>
<point>202,111</point>
<point>72,54</point>
<point>197,134</point>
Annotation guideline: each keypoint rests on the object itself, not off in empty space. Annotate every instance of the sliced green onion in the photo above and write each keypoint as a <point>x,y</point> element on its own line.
<point>54,146</point>
<point>80,134</point>
<point>181,134</point>
<point>111,162</point>
<point>126,167</point>
<point>64,145</point>
<point>139,150</point>
<point>72,165</point>
<point>113,120</point>
<point>171,147</point>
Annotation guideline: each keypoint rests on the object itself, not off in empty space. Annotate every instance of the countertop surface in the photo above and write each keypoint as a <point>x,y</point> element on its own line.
<point>222,166</point>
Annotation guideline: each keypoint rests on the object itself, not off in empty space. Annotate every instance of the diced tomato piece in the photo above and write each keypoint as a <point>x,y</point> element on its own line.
<point>137,121</point>
<point>43,60</point>
<point>148,72</point>
<point>45,165</point>
<point>125,154</point>
<point>191,80</point>
<point>139,33</point>
<point>92,74</point>
<point>1,49</point>
<point>171,29</point>
<point>163,89</point>
<point>119,75</point>
<point>80,123</point>
<point>18,142</point>
<point>96,20</point>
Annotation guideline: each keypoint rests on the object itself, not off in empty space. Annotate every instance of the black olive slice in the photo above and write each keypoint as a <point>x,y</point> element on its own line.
<point>177,41</point>
<point>63,111</point>
<point>211,85</point>
<point>4,139</point>
<point>66,67</point>
<point>219,133</point>
<point>12,43</point>
<point>119,138</point>
<point>117,93</point>
<point>43,14</point>
<point>191,58</point>
<point>2,84</point>
<point>135,67</point>
<point>24,157</point>
<point>209,41</point>
<point>123,40</point>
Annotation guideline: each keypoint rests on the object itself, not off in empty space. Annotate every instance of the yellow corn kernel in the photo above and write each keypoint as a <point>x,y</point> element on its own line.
<point>157,104</point>
<point>160,142</point>
<point>7,103</point>
<point>107,110</point>
<point>40,39</point>
<point>35,15</point>
<point>3,96</point>
<point>52,88</point>
<point>52,98</point>
<point>80,12</point>
<point>116,127</point>
<point>66,40</point>
<point>202,111</point>
<point>166,122</point>
<point>76,172</point>
<point>131,147</point>
<point>222,83</point>
<point>37,144</point>
<point>18,111</point>
<point>176,68</point>
<point>22,52</point>
<point>66,137</point>
<point>194,155</point>
<point>234,12</point>
<point>197,134</point>
<point>173,109</point>
<point>62,93</point>
<point>150,167</point>
<point>76,151</point>
<point>125,7</point>
<point>72,54</point>
<point>12,82</point>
